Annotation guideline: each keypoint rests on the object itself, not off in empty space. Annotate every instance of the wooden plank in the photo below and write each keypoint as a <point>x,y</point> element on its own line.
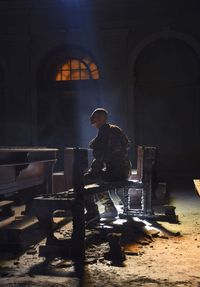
<point>137,175</point>
<point>95,188</point>
<point>197,185</point>
<point>24,232</point>
<point>6,203</point>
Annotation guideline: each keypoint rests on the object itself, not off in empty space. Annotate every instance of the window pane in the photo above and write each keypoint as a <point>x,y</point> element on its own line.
<point>75,75</point>
<point>58,76</point>
<point>93,67</point>
<point>66,66</point>
<point>85,75</point>
<point>65,75</point>
<point>74,64</point>
<point>95,75</point>
<point>83,66</point>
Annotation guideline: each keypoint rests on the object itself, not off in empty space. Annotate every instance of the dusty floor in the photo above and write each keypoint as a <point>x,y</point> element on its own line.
<point>167,261</point>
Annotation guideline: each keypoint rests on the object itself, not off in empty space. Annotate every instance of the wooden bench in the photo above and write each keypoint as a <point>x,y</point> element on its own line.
<point>73,199</point>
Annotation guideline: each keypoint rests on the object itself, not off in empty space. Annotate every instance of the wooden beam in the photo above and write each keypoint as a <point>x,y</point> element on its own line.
<point>197,185</point>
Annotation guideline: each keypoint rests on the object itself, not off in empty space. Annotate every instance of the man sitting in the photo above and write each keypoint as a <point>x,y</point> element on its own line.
<point>111,163</point>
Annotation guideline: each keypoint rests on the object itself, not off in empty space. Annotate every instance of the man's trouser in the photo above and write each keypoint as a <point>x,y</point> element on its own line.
<point>103,197</point>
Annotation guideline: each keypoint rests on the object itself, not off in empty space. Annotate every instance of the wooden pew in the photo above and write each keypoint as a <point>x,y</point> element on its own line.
<point>73,200</point>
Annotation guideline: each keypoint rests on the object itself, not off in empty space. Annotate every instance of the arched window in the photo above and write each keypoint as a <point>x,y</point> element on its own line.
<point>77,70</point>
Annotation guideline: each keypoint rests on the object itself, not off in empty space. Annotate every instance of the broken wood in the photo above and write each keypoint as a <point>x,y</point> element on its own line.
<point>197,185</point>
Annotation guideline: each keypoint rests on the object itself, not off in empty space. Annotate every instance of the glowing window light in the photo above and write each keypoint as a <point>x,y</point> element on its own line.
<point>77,70</point>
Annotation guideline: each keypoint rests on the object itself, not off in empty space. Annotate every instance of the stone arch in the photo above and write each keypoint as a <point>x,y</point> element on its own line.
<point>166,34</point>
<point>133,92</point>
<point>158,36</point>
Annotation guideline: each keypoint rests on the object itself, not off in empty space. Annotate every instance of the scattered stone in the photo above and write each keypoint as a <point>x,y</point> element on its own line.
<point>31,246</point>
<point>64,265</point>
<point>90,260</point>
<point>56,262</point>
<point>163,237</point>
<point>31,251</point>
<point>101,259</point>
<point>151,231</point>
<point>143,242</point>
<point>3,274</point>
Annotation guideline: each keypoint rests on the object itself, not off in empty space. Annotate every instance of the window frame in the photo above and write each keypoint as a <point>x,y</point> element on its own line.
<point>84,68</point>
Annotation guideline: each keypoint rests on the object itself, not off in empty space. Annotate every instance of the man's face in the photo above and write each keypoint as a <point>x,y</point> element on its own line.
<point>98,120</point>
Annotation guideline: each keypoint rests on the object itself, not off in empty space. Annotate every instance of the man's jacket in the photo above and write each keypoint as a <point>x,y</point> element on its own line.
<point>110,151</point>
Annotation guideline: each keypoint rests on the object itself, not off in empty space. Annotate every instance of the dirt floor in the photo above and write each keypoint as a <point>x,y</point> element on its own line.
<point>169,259</point>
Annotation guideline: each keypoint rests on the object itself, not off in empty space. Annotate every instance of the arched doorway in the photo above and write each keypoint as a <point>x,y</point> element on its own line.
<point>166,92</point>
<point>67,94</point>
